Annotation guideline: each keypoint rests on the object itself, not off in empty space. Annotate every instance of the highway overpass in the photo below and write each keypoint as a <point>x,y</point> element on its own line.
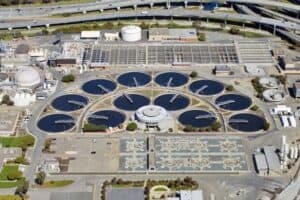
<point>183,13</point>
<point>113,4</point>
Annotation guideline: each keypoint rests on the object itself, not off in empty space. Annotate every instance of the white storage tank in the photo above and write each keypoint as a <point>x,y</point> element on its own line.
<point>131,33</point>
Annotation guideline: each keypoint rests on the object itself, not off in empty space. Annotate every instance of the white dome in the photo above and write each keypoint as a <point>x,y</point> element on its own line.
<point>27,77</point>
<point>151,114</point>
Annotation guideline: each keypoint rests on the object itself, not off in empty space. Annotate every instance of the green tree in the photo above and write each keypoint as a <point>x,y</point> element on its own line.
<point>216,126</point>
<point>68,78</point>
<point>193,74</point>
<point>22,188</point>
<point>230,88</point>
<point>266,126</point>
<point>40,178</point>
<point>132,126</point>
<point>234,30</point>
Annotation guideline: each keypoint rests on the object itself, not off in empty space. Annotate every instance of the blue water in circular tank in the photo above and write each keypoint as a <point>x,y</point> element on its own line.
<point>69,102</point>
<point>99,86</point>
<point>171,79</point>
<point>109,118</point>
<point>197,118</point>
<point>134,79</point>
<point>172,101</point>
<point>206,87</point>
<point>233,102</point>
<point>246,122</point>
<point>55,123</point>
<point>131,102</point>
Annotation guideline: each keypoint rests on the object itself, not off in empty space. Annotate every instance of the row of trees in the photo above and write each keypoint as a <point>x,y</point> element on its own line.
<point>213,127</point>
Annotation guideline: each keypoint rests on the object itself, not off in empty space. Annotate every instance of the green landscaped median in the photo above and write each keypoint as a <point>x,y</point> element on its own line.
<point>59,183</point>
<point>10,197</point>
<point>19,141</point>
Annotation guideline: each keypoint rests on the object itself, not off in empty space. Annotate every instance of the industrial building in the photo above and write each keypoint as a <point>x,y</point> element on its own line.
<point>261,164</point>
<point>179,35</point>
<point>267,162</point>
<point>125,194</point>
<point>90,34</point>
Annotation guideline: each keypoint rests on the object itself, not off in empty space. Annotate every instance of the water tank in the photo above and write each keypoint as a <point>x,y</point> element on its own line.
<point>131,33</point>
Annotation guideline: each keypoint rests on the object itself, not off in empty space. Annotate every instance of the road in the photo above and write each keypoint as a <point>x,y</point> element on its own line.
<point>183,13</point>
<point>113,4</point>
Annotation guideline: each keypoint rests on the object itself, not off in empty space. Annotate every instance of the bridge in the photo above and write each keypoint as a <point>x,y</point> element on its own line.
<point>182,13</point>
<point>205,116</point>
<point>65,121</point>
<point>95,116</point>
<point>78,103</point>
<point>103,88</point>
<point>240,121</point>
<point>128,98</point>
<point>169,82</point>
<point>113,4</point>
<point>225,102</point>
<point>135,81</point>
<point>202,88</point>
<point>174,98</point>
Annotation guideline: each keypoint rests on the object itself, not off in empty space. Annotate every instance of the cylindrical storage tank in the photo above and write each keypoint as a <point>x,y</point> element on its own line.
<point>131,33</point>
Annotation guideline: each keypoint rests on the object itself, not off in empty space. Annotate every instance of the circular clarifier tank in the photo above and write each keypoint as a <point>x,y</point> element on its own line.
<point>246,122</point>
<point>171,79</point>
<point>99,86</point>
<point>131,102</point>
<point>197,118</point>
<point>172,101</point>
<point>233,102</point>
<point>69,102</point>
<point>56,123</point>
<point>134,79</point>
<point>206,87</point>
<point>108,118</point>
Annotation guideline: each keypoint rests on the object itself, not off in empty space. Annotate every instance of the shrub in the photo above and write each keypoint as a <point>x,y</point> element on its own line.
<point>6,100</point>
<point>68,78</point>
<point>202,37</point>
<point>40,178</point>
<point>90,127</point>
<point>229,88</point>
<point>234,30</point>
<point>254,108</point>
<point>193,74</point>
<point>216,126</point>
<point>266,125</point>
<point>189,128</point>
<point>22,188</point>
<point>132,126</point>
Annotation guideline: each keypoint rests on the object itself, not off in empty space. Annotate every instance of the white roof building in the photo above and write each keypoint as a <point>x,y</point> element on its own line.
<point>90,34</point>
<point>261,163</point>
<point>191,195</point>
<point>272,159</point>
<point>280,109</point>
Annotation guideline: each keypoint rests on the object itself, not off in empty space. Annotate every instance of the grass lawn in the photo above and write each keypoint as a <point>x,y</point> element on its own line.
<point>19,141</point>
<point>6,170</point>
<point>4,182</point>
<point>60,183</point>
<point>10,197</point>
